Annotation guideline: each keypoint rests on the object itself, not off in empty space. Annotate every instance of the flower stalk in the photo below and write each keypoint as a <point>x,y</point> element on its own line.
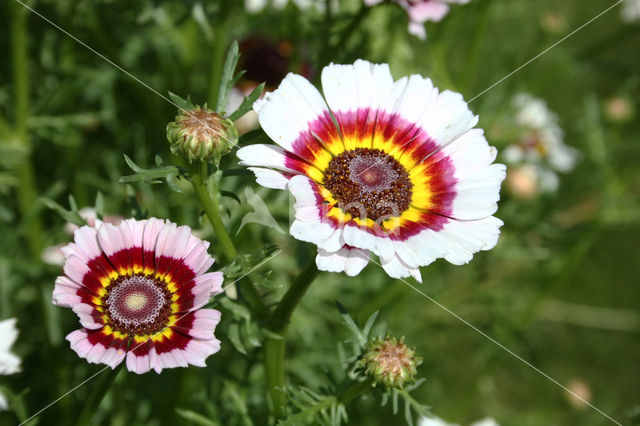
<point>26,191</point>
<point>97,395</point>
<point>211,206</point>
<point>275,343</point>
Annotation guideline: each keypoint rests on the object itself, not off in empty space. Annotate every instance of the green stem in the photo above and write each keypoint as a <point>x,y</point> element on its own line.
<point>27,195</point>
<point>221,29</point>
<point>275,343</point>
<point>211,208</point>
<point>199,174</point>
<point>293,296</point>
<point>274,358</point>
<point>97,395</point>
<point>354,391</point>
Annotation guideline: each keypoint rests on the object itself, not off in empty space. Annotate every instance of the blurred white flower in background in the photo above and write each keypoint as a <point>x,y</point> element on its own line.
<point>539,150</point>
<point>435,421</point>
<point>9,363</point>
<point>53,255</point>
<point>421,11</point>
<point>630,10</point>
<point>256,6</point>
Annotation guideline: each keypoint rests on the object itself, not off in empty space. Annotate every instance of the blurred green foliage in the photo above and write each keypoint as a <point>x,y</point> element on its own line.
<point>560,289</point>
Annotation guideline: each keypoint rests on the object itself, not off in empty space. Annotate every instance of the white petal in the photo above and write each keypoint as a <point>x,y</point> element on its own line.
<point>348,260</point>
<point>287,112</point>
<point>464,238</point>
<point>361,85</point>
<point>396,268</point>
<point>270,178</point>
<point>308,207</point>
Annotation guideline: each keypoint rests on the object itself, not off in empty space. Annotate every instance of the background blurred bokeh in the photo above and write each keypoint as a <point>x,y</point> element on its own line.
<point>561,289</point>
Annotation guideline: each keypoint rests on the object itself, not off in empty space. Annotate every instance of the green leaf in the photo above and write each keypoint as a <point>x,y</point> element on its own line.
<point>234,338</point>
<point>182,104</point>
<point>99,205</point>
<point>236,172</point>
<point>195,418</point>
<point>247,103</point>
<point>251,135</point>
<point>238,310</point>
<point>68,215</point>
<point>151,176</point>
<point>227,81</point>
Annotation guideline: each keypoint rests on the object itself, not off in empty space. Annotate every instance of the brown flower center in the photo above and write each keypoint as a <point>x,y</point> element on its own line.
<point>137,304</point>
<point>369,183</point>
<point>392,357</point>
<point>202,125</point>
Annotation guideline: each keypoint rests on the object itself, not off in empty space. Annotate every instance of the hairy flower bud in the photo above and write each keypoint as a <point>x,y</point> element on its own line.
<point>200,134</point>
<point>390,362</point>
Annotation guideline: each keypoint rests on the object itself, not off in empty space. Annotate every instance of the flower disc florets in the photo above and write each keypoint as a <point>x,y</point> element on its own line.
<point>201,134</point>
<point>390,362</point>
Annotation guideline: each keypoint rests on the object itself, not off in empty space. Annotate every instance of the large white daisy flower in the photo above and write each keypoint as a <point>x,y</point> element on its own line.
<point>400,173</point>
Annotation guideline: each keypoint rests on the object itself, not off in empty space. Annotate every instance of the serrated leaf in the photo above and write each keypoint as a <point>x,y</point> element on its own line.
<point>226,82</point>
<point>67,215</point>
<point>182,104</point>
<point>99,205</point>
<point>369,324</point>
<point>236,309</point>
<point>247,103</point>
<point>169,173</point>
<point>234,338</point>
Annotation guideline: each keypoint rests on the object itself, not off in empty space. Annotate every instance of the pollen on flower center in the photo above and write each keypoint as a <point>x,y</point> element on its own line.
<point>368,183</point>
<point>202,124</point>
<point>136,301</point>
<point>137,304</point>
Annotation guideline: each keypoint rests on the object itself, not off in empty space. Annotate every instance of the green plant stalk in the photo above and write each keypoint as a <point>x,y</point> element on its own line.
<point>27,195</point>
<point>221,29</point>
<point>354,391</point>
<point>275,343</point>
<point>199,174</point>
<point>97,395</point>
<point>211,208</point>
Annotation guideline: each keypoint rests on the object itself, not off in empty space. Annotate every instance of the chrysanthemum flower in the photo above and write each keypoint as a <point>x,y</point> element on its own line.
<point>138,288</point>
<point>421,11</point>
<point>400,173</point>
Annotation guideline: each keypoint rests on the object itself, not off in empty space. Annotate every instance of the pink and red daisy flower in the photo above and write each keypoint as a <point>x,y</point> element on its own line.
<point>421,11</point>
<point>400,173</point>
<point>137,289</point>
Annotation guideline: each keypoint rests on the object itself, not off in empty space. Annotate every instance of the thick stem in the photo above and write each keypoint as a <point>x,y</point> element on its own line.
<point>26,188</point>
<point>97,395</point>
<point>211,209</point>
<point>354,391</point>
<point>275,343</point>
<point>199,174</point>
<point>274,357</point>
<point>292,297</point>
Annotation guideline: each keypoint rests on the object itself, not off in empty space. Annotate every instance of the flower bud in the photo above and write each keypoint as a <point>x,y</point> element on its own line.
<point>390,362</point>
<point>200,134</point>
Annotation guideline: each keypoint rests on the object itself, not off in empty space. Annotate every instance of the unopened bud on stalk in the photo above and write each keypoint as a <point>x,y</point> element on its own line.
<point>200,134</point>
<point>390,362</point>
